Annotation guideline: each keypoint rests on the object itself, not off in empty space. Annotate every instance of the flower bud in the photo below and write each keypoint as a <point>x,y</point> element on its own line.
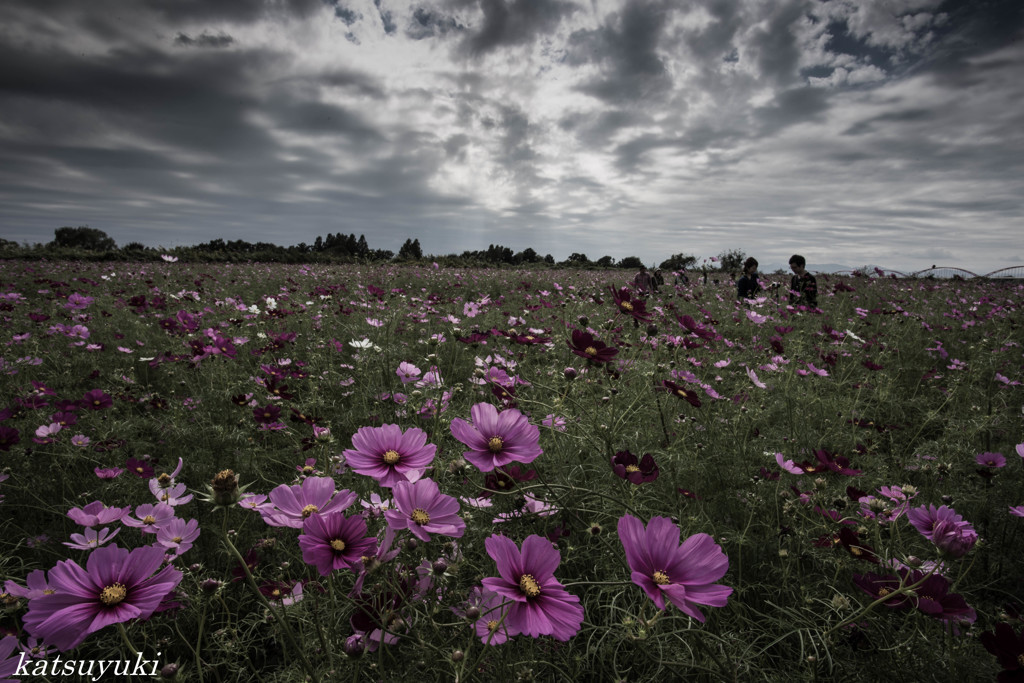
<point>169,671</point>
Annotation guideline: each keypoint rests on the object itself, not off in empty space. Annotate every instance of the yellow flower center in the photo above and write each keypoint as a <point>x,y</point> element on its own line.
<point>492,625</point>
<point>391,457</point>
<point>149,519</point>
<point>140,470</point>
<point>1020,659</point>
<point>338,544</point>
<point>632,468</point>
<point>308,469</point>
<point>112,595</point>
<point>626,306</point>
<point>49,591</point>
<point>882,592</point>
<point>590,351</point>
<point>855,551</point>
<point>176,539</point>
<point>495,444</point>
<point>276,593</point>
<point>660,578</point>
<point>420,516</point>
<point>309,510</point>
<point>164,480</point>
<point>529,585</point>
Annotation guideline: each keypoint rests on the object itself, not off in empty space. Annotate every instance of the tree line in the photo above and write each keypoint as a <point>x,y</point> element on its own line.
<point>86,243</point>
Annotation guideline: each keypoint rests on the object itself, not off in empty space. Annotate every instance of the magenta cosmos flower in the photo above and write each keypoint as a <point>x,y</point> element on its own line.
<point>424,510</point>
<point>389,455</point>
<point>293,505</point>
<point>97,514</point>
<point>662,567</point>
<point>497,439</point>
<point>540,605</point>
<point>334,541</point>
<point>115,586</point>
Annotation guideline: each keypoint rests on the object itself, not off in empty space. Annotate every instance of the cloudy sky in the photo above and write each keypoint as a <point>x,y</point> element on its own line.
<point>852,131</point>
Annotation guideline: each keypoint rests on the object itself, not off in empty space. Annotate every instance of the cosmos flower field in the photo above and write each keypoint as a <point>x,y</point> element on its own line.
<point>291,473</point>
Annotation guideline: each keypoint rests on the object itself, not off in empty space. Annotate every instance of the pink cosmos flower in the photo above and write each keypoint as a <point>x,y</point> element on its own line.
<point>497,439</point>
<point>491,627</point>
<point>115,586</point>
<point>540,605</point>
<point>753,378</point>
<point>389,455</point>
<point>787,465</point>
<point>293,505</point>
<point>178,535</point>
<point>945,528</point>
<point>1017,511</point>
<point>662,567</point>
<point>108,472</point>
<point>334,541</point>
<point>150,518</point>
<point>993,460</point>
<point>80,440</point>
<point>172,495</point>
<point>92,538</point>
<point>1020,449</point>
<point>35,586</point>
<point>407,372</point>
<point>8,662</point>
<point>424,510</point>
<point>97,514</point>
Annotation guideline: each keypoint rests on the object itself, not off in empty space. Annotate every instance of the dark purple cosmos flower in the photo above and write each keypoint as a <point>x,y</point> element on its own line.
<point>96,400</point>
<point>1008,648</point>
<point>490,611</point>
<point>685,573</point>
<point>140,468</point>
<point>266,414</point>
<point>9,436</point>
<point>627,305</point>
<point>503,479</point>
<point>836,463</point>
<point>682,392</point>
<point>97,514</point>
<point>421,508</point>
<point>626,466</point>
<point>334,541</point>
<point>35,586</point>
<point>584,345</point>
<point>881,586</point>
<point>389,455</point>
<point>935,600</point>
<point>115,586</point>
<point>293,505</point>
<point>497,439</point>
<point>540,604</point>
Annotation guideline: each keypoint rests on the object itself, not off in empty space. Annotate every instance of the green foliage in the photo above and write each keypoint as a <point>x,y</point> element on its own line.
<point>631,262</point>
<point>677,262</point>
<point>732,260</point>
<point>86,238</point>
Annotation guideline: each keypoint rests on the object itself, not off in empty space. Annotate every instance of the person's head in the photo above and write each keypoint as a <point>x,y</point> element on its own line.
<point>797,263</point>
<point>643,268</point>
<point>750,265</point>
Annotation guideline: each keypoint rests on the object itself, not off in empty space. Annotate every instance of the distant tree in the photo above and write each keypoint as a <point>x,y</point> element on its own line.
<point>318,243</point>
<point>731,260</point>
<point>362,248</point>
<point>527,255</point>
<point>83,238</point>
<point>605,261</point>
<point>410,250</point>
<point>631,262</point>
<point>549,259</point>
<point>578,259</point>
<point>678,262</point>
<point>134,246</point>
<point>498,254</point>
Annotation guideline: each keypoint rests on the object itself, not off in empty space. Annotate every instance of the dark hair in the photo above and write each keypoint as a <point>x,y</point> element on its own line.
<point>798,260</point>
<point>750,262</point>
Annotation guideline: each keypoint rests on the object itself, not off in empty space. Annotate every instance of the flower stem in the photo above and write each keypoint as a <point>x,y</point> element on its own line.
<point>279,618</point>
<point>124,637</point>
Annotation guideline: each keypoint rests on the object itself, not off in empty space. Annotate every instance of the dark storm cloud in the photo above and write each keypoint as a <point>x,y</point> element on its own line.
<point>386,18</point>
<point>319,118</point>
<point>790,107</point>
<point>773,43</point>
<point>513,22</point>
<point>626,49</point>
<point>204,39</point>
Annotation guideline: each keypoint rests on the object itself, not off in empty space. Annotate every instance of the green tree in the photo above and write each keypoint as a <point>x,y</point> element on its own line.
<point>410,251</point>
<point>631,262</point>
<point>731,260</point>
<point>678,262</point>
<point>605,261</point>
<point>83,238</point>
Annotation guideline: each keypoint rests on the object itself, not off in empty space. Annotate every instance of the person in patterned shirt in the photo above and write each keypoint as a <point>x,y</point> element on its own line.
<point>803,288</point>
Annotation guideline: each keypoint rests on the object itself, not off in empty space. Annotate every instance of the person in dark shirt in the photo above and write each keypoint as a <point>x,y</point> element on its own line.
<point>803,288</point>
<point>748,286</point>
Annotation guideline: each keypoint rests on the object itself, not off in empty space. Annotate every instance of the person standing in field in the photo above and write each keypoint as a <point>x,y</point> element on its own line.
<point>803,287</point>
<point>643,281</point>
<point>748,286</point>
